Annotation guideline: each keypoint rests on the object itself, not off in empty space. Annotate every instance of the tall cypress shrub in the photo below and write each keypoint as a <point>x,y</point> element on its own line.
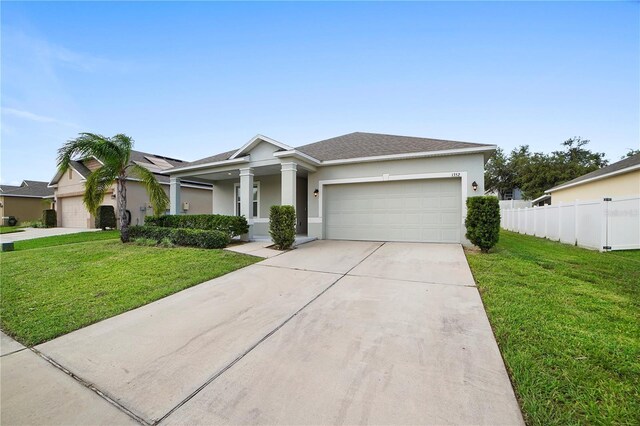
<point>483,221</point>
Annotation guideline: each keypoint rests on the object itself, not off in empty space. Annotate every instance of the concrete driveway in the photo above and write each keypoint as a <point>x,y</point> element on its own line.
<point>31,233</point>
<point>333,332</point>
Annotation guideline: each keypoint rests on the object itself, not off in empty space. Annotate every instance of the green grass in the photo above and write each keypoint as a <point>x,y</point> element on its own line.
<point>49,289</point>
<point>10,229</point>
<point>59,240</point>
<point>567,321</point>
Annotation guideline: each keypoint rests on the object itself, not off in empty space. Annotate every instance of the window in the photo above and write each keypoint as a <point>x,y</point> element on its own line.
<point>70,173</point>
<point>256,199</point>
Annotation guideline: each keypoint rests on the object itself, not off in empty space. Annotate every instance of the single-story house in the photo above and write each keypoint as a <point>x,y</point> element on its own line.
<point>26,201</point>
<point>69,190</point>
<point>621,179</point>
<point>359,186</point>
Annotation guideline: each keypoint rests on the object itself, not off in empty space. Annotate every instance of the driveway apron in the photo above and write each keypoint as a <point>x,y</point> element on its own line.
<point>332,332</point>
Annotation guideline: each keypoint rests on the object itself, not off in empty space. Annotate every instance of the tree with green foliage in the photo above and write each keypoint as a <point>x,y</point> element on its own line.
<point>114,154</point>
<point>499,175</point>
<point>536,172</point>
<point>630,153</point>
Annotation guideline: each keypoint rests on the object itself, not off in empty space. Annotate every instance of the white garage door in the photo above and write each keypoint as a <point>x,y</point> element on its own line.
<point>426,210</point>
<point>73,213</point>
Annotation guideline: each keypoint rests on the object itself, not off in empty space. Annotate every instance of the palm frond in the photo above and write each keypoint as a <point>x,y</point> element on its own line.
<point>125,144</point>
<point>157,196</point>
<point>87,145</point>
<point>96,186</point>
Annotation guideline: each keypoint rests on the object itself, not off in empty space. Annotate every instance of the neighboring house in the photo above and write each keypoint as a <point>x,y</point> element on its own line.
<point>510,194</point>
<point>360,186</point>
<point>543,200</point>
<point>621,179</point>
<point>25,202</point>
<point>69,190</point>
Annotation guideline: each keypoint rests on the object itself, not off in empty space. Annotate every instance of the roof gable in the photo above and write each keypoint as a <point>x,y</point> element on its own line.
<point>255,141</point>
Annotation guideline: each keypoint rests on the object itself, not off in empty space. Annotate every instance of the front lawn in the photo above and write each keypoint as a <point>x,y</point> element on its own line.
<point>54,289</point>
<point>59,240</point>
<point>568,326</point>
<point>10,229</point>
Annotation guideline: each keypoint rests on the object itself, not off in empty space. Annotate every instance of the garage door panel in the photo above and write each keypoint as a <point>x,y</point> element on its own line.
<point>73,213</point>
<point>425,210</point>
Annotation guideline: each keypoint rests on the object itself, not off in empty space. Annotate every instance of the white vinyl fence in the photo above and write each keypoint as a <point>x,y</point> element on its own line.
<point>607,224</point>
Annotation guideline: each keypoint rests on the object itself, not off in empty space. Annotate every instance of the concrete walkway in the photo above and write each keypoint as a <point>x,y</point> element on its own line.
<point>333,332</point>
<point>31,233</point>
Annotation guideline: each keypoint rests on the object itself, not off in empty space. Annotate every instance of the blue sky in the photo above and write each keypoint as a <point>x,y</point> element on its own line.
<point>188,80</point>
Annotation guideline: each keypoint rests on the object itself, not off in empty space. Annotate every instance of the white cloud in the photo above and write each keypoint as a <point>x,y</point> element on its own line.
<point>35,117</point>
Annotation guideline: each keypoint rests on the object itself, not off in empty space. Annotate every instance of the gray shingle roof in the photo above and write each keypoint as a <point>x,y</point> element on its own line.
<point>140,158</point>
<point>214,158</point>
<point>634,160</point>
<point>6,188</point>
<point>29,188</point>
<point>81,168</point>
<point>359,144</point>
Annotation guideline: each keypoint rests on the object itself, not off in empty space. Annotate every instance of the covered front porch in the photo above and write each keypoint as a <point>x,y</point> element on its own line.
<point>256,177</point>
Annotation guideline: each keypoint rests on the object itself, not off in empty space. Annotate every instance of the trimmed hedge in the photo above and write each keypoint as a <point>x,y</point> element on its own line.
<point>49,218</point>
<point>233,226</point>
<point>282,226</point>
<point>483,221</point>
<point>106,217</point>
<point>181,236</point>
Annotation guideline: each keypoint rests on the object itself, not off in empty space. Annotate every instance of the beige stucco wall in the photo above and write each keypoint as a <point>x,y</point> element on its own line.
<point>623,185</point>
<point>25,209</point>
<point>200,200</point>
<point>70,186</point>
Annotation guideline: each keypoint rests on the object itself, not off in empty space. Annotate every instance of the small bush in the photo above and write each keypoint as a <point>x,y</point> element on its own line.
<point>166,243</point>
<point>483,221</point>
<point>181,236</point>
<point>33,224</point>
<point>106,217</point>
<point>282,227</point>
<point>49,218</point>
<point>233,226</point>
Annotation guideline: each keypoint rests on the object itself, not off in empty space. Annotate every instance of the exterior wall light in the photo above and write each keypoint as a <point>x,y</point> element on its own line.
<point>474,185</point>
<point>316,193</point>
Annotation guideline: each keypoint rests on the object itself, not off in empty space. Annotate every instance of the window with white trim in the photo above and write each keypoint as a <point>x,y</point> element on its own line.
<point>256,200</point>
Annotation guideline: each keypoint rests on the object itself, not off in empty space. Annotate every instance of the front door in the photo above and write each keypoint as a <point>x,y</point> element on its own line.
<point>301,206</point>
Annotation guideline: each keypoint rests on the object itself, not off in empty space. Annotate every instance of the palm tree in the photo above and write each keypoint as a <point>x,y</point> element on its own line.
<point>114,154</point>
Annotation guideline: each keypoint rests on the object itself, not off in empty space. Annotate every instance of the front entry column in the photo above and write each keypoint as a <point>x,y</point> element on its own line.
<point>174,196</point>
<point>246,199</point>
<point>288,192</point>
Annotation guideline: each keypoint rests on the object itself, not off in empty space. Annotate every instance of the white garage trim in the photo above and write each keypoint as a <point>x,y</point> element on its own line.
<point>388,177</point>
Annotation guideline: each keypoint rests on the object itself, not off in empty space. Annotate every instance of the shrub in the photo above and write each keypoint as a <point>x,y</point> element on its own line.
<point>282,226</point>
<point>146,242</point>
<point>33,224</point>
<point>483,221</point>
<point>181,236</point>
<point>233,226</point>
<point>106,217</point>
<point>49,218</point>
<point>166,243</point>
